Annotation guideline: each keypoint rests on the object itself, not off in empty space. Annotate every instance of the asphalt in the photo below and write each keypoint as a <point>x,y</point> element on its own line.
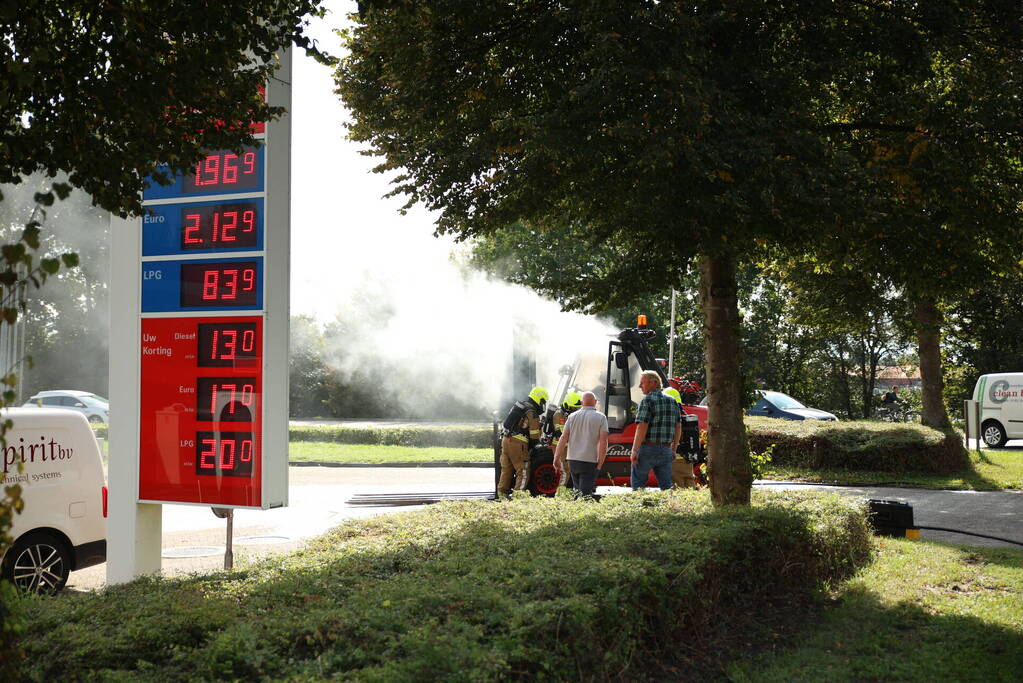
<point>194,539</point>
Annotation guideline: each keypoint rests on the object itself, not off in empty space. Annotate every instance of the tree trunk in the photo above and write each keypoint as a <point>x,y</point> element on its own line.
<point>928,335</point>
<point>731,476</point>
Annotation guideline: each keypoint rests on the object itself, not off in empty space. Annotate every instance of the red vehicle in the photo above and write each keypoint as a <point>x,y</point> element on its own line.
<point>614,379</point>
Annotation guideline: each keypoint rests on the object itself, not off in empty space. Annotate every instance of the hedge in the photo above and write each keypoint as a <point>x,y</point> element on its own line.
<point>419,436</point>
<point>860,445</point>
<point>555,588</point>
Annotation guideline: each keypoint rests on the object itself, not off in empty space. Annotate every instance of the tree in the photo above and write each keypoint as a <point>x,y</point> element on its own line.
<point>102,92</point>
<point>670,133</point>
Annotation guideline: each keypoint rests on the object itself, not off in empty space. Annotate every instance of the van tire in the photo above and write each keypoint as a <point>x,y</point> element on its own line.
<point>38,562</point>
<point>993,434</point>
<point>95,419</point>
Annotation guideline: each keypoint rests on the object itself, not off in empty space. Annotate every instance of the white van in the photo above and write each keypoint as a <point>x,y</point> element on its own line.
<point>63,525</point>
<point>1000,397</point>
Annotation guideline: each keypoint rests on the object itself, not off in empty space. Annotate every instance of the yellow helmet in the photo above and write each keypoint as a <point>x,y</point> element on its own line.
<point>673,392</point>
<point>539,395</point>
<point>573,400</point>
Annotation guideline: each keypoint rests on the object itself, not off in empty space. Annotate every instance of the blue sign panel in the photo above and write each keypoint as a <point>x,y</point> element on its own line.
<point>222,172</point>
<point>205,284</point>
<point>202,227</point>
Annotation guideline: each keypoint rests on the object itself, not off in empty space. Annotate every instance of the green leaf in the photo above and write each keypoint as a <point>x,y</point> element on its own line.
<point>50,266</point>
<point>70,259</point>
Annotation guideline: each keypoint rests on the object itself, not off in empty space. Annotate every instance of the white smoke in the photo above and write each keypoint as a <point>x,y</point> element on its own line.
<point>391,285</point>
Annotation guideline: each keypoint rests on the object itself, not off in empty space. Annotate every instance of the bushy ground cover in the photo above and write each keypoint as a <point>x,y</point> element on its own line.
<point>328,451</point>
<point>991,470</point>
<point>470,591</point>
<point>920,612</point>
<point>861,445</point>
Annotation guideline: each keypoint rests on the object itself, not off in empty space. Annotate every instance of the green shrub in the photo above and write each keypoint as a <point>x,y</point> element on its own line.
<point>416,436</point>
<point>861,445</point>
<point>467,591</point>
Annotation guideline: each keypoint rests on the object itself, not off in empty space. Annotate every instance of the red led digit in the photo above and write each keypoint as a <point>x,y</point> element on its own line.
<point>207,449</point>
<point>230,168</point>
<point>229,346</point>
<point>192,229</point>
<point>230,283</point>
<point>246,451</point>
<point>249,221</point>
<point>227,454</point>
<point>249,341</point>
<point>212,166</point>
<point>250,162</point>
<point>210,282</point>
<point>229,226</point>
<point>248,392</point>
<point>248,279</point>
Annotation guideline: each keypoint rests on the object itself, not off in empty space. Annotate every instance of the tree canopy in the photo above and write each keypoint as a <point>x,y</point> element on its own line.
<point>104,91</point>
<point>667,132</point>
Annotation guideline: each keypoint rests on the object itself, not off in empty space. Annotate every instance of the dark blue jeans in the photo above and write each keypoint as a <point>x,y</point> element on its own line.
<point>656,458</point>
<point>584,476</point>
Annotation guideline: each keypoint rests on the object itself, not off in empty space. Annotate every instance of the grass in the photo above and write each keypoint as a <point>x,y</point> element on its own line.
<point>920,612</point>
<point>324,451</point>
<point>993,470</point>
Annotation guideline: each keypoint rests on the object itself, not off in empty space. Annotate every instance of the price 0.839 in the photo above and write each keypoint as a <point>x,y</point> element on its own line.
<point>231,284</point>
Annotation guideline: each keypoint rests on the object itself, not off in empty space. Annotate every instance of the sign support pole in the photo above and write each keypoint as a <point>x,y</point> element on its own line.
<point>134,529</point>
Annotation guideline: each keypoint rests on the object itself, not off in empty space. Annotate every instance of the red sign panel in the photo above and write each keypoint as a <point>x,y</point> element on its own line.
<point>201,410</point>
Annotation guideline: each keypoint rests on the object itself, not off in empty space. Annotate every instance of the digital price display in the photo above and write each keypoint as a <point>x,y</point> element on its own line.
<point>221,226</point>
<point>225,399</point>
<point>225,170</point>
<point>172,229</point>
<point>202,284</point>
<point>227,345</point>
<point>222,171</point>
<point>223,454</point>
<point>202,411</point>
<point>231,284</point>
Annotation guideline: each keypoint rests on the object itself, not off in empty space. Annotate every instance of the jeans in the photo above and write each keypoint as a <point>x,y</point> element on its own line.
<point>656,458</point>
<point>584,476</point>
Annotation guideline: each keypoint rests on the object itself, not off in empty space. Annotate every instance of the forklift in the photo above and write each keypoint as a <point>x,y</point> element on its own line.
<point>614,379</point>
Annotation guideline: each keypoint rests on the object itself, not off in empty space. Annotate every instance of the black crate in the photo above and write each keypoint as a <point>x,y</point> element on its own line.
<point>890,517</point>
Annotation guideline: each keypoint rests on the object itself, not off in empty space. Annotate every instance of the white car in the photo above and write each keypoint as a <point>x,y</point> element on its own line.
<point>94,407</point>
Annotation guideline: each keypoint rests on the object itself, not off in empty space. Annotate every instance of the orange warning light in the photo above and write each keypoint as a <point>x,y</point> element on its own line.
<point>640,321</point>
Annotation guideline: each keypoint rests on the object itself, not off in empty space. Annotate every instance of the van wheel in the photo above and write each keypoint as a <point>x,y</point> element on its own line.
<point>38,563</point>
<point>95,419</point>
<point>993,434</point>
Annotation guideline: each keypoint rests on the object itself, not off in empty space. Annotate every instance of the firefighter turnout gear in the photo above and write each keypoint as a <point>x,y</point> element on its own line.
<point>521,433</point>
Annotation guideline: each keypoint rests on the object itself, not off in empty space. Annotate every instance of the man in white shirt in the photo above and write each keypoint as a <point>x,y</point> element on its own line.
<point>585,437</point>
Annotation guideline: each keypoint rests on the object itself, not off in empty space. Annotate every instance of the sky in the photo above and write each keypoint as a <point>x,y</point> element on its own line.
<point>342,226</point>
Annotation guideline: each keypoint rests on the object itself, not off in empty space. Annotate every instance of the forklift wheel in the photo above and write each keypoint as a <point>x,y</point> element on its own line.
<point>543,478</point>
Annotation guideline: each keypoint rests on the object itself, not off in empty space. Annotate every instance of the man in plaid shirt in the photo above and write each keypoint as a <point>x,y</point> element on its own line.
<point>658,431</point>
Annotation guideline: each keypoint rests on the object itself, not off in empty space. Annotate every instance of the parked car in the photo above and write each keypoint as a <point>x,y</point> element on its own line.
<point>94,407</point>
<point>54,456</point>
<point>777,404</point>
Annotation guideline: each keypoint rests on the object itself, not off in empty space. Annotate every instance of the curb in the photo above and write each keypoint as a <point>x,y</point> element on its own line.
<point>389,464</point>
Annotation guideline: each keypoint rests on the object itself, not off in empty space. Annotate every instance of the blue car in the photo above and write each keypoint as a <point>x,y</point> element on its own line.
<point>777,404</point>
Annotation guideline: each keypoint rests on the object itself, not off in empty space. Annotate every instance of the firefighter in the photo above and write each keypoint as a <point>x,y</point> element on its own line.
<point>681,469</point>
<point>521,432</point>
<point>573,401</point>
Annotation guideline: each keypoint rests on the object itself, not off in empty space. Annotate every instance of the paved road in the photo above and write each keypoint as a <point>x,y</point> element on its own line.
<point>193,539</point>
<point>993,513</point>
